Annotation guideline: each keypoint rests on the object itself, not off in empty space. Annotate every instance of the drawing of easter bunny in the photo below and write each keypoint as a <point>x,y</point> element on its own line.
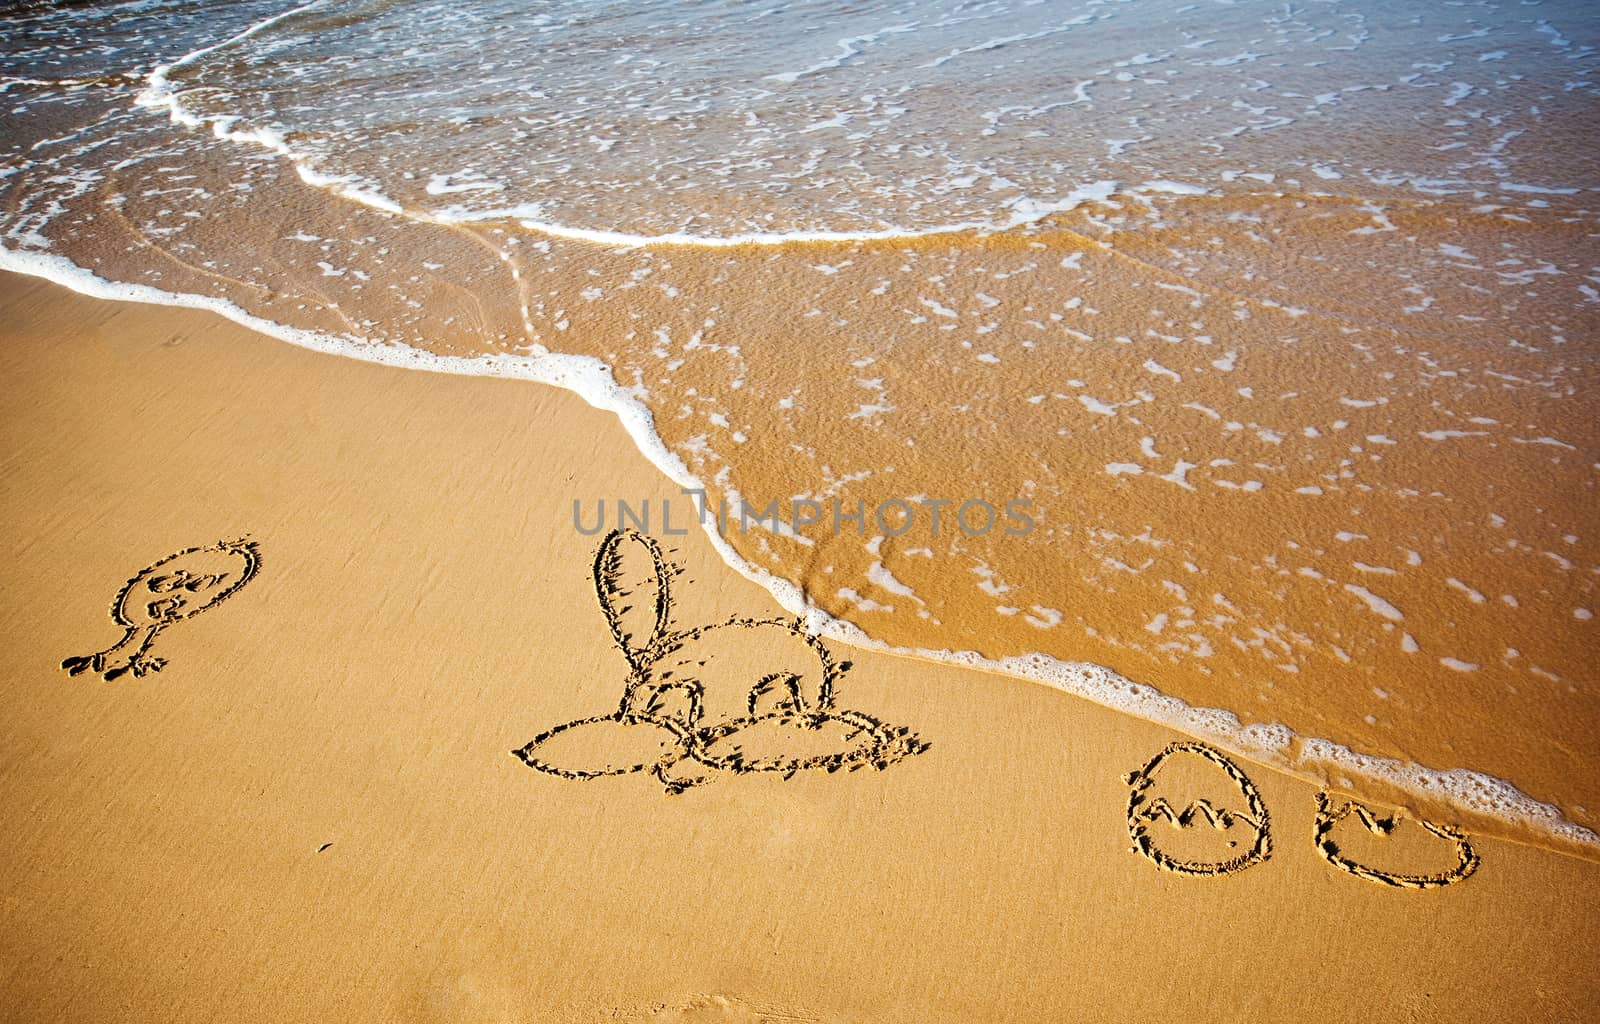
<point>691,706</point>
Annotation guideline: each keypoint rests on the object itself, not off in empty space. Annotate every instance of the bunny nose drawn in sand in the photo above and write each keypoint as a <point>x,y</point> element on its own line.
<point>690,708</point>
<point>178,587</point>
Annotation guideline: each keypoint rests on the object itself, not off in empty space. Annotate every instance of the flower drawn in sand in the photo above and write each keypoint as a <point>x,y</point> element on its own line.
<point>692,707</point>
<point>177,587</point>
<point>1329,815</point>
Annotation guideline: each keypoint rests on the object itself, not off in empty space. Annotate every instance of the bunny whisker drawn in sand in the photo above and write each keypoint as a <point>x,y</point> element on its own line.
<point>687,710</point>
<point>177,587</point>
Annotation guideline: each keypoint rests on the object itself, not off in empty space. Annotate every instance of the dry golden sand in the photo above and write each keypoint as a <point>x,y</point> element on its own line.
<point>311,813</point>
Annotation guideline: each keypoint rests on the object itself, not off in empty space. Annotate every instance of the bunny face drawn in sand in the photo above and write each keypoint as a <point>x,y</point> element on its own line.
<point>1329,816</point>
<point>690,708</point>
<point>178,587</point>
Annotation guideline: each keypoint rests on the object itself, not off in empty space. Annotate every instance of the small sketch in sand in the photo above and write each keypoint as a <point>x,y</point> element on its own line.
<point>1209,815</point>
<point>178,587</point>
<point>1329,814</point>
<point>693,708</point>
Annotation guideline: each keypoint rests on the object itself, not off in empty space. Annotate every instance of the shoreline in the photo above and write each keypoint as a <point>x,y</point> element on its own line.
<point>1472,797</point>
<point>312,807</point>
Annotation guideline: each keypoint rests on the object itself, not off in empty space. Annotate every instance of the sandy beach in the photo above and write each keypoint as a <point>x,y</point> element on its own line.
<point>311,809</point>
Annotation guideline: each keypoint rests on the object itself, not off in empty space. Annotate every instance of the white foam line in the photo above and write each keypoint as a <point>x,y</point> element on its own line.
<point>160,87</point>
<point>1023,212</point>
<point>159,94</point>
<point>591,380</point>
<point>994,44</point>
<point>850,50</point>
<point>7,83</point>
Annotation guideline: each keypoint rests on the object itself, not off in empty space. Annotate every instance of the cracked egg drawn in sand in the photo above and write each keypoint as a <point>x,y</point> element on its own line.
<point>1193,812</point>
<point>735,697</point>
<point>1391,849</point>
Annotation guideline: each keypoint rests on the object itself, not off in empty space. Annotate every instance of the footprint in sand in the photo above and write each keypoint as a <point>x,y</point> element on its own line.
<point>1330,815</point>
<point>692,708</point>
<point>1218,823</point>
<point>178,587</point>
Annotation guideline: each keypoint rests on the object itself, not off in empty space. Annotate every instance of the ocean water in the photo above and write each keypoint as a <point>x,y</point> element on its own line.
<point>1278,320</point>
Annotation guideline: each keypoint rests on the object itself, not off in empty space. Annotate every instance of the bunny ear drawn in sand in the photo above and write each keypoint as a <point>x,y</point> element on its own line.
<point>633,580</point>
<point>165,592</point>
<point>690,708</point>
<point>1329,815</point>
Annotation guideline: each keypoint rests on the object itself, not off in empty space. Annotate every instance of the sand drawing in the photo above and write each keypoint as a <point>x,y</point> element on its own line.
<point>177,587</point>
<point>1197,812</point>
<point>1329,815</point>
<point>689,709</point>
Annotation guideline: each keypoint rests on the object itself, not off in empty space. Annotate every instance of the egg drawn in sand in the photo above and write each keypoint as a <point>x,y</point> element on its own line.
<point>1330,814</point>
<point>1193,812</point>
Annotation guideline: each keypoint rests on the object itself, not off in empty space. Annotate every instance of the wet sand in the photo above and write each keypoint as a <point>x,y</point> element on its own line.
<point>311,811</point>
